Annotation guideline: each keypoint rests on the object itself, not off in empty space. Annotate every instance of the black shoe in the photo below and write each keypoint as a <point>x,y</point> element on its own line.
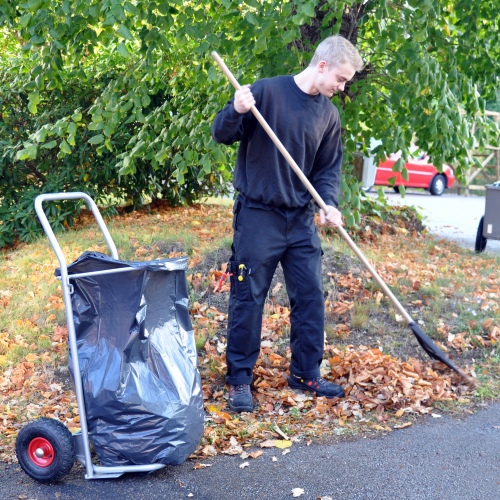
<point>318,385</point>
<point>240,398</point>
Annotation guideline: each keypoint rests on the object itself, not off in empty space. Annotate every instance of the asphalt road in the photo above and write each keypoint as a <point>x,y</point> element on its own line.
<point>437,459</point>
<point>450,216</point>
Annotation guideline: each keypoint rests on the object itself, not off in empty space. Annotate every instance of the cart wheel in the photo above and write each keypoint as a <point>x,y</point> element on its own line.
<point>480,239</point>
<point>45,449</point>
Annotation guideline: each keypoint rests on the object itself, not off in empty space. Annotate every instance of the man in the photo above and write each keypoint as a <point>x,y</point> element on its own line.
<point>274,216</point>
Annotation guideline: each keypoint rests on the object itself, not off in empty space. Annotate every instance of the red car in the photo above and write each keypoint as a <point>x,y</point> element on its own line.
<point>421,174</point>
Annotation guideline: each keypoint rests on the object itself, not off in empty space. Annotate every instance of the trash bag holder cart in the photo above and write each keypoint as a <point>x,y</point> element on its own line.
<point>489,224</point>
<point>45,447</point>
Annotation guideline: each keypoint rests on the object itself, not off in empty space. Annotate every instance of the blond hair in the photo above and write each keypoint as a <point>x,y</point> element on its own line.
<point>337,50</point>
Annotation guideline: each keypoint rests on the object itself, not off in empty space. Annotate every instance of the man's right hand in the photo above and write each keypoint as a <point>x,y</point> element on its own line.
<point>243,99</point>
<point>332,218</point>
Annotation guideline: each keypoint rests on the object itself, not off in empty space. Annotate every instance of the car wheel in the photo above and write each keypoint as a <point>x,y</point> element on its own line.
<point>45,449</point>
<point>480,239</point>
<point>396,189</point>
<point>438,185</point>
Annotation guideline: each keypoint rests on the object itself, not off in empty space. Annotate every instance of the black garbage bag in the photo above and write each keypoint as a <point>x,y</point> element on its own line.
<point>138,361</point>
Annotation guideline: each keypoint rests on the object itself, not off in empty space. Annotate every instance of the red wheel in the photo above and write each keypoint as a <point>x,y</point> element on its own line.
<point>41,452</point>
<point>45,449</point>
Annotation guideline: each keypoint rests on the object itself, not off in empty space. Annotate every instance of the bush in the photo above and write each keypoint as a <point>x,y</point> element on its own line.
<point>63,141</point>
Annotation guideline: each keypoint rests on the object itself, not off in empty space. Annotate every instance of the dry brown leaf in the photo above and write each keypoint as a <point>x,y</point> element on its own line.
<point>276,443</point>
<point>201,466</point>
<point>402,426</point>
<point>234,447</point>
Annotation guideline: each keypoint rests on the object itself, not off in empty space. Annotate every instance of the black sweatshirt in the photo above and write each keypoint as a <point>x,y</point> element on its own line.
<point>309,128</point>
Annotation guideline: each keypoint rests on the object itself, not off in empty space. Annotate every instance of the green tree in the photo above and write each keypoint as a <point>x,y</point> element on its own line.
<point>116,97</point>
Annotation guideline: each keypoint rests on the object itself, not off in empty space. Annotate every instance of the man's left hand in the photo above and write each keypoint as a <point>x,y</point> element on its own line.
<point>332,218</point>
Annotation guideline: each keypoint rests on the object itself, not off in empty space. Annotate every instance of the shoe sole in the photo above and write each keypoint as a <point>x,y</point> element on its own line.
<point>241,409</point>
<point>300,387</point>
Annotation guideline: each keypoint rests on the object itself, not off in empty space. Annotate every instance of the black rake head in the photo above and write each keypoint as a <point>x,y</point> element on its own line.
<point>433,350</point>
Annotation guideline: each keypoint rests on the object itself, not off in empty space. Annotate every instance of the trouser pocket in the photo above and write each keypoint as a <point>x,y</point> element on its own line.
<point>239,274</point>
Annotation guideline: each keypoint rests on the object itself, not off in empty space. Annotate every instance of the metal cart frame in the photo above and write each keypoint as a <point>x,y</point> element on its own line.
<point>39,451</point>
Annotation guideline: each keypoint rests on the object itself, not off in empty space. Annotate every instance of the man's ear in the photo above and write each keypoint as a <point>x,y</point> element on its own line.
<point>322,66</point>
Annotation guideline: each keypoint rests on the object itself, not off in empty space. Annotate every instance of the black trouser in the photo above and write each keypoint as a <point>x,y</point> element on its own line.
<point>262,239</point>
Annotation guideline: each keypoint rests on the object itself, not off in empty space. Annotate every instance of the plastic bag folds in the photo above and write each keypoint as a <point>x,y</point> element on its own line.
<point>138,361</point>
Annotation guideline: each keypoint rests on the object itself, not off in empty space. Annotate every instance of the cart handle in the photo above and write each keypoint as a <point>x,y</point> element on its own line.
<point>67,301</point>
<point>48,228</point>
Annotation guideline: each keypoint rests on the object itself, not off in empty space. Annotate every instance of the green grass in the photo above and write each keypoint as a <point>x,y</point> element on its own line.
<point>360,314</point>
<point>443,280</point>
<point>488,374</point>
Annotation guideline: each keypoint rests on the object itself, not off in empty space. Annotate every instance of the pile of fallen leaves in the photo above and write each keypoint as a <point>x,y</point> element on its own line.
<point>383,392</point>
<point>379,389</point>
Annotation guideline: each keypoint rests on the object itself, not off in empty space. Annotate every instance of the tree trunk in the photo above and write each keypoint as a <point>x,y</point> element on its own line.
<point>315,32</point>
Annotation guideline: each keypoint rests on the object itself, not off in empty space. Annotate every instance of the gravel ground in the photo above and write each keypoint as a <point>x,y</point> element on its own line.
<point>450,216</point>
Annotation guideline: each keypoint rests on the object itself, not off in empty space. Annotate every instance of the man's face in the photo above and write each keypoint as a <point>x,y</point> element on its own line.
<point>332,79</point>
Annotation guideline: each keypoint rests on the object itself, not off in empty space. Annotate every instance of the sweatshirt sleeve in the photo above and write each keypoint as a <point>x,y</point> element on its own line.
<point>328,166</point>
<point>228,126</point>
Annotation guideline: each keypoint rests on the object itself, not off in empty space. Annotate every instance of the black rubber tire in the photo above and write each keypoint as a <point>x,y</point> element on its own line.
<point>480,239</point>
<point>60,450</point>
<point>438,185</point>
<point>396,189</point>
